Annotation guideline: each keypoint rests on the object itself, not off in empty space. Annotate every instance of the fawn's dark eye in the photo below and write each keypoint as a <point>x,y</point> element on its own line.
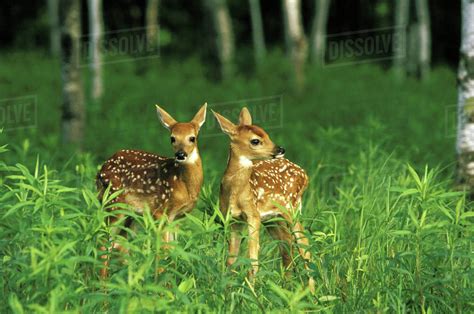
<point>173,139</point>
<point>255,142</point>
<point>192,139</point>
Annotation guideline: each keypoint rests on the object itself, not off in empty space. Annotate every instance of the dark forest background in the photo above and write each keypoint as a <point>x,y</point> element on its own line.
<point>387,211</point>
<point>24,24</point>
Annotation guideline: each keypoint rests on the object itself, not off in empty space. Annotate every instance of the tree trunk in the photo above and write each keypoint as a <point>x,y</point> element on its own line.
<point>297,39</point>
<point>402,14</point>
<point>413,51</point>
<point>257,31</point>
<point>152,26</point>
<point>96,31</point>
<point>54,30</point>
<point>318,33</point>
<point>465,132</point>
<point>73,113</point>
<point>285,30</point>
<point>424,40</point>
<point>225,36</point>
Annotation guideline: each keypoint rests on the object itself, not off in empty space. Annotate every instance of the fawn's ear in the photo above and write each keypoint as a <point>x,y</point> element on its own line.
<point>165,118</point>
<point>226,126</point>
<point>245,118</point>
<point>200,116</point>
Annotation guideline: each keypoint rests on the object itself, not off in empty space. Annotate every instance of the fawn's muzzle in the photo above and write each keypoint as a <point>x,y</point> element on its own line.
<point>180,155</point>
<point>279,152</point>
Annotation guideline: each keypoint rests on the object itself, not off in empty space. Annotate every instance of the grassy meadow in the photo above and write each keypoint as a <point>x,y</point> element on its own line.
<point>388,230</point>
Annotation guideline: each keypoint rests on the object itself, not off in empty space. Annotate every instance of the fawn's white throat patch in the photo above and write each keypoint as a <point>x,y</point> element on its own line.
<point>193,157</point>
<point>245,162</point>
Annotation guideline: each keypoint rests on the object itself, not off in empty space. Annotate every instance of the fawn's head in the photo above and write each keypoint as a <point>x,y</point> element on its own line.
<point>183,134</point>
<point>249,141</point>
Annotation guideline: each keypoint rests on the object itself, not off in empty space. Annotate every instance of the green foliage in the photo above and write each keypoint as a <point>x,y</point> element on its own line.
<point>388,234</point>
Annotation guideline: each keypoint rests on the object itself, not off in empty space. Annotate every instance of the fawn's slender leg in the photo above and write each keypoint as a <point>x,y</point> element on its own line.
<point>172,235</point>
<point>254,243</point>
<point>167,237</point>
<point>279,231</point>
<point>113,245</point>
<point>234,242</point>
<point>303,245</point>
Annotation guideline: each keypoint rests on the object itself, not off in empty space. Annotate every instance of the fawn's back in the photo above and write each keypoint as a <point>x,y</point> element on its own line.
<point>147,180</point>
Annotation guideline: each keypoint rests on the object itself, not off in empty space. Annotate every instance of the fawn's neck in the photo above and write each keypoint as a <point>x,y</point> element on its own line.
<point>238,172</point>
<point>192,176</point>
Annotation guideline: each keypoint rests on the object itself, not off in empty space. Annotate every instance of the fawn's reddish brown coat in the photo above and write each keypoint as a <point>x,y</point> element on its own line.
<point>166,186</point>
<point>259,184</point>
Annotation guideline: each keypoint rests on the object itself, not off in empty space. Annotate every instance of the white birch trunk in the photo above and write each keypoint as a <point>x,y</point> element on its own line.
<point>465,131</point>
<point>96,32</point>
<point>423,16</point>
<point>297,38</point>
<point>225,36</point>
<point>285,29</point>
<point>318,40</point>
<point>257,31</point>
<point>54,30</point>
<point>152,25</point>
<point>73,112</point>
<point>402,13</point>
<point>413,50</point>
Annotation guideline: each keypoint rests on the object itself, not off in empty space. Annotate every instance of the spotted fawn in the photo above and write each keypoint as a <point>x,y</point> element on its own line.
<point>167,186</point>
<point>260,184</point>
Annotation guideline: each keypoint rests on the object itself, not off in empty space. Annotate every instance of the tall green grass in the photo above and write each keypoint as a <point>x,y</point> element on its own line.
<point>387,230</point>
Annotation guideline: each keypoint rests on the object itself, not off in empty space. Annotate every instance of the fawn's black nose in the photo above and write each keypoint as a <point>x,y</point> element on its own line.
<point>180,155</point>
<point>280,151</point>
